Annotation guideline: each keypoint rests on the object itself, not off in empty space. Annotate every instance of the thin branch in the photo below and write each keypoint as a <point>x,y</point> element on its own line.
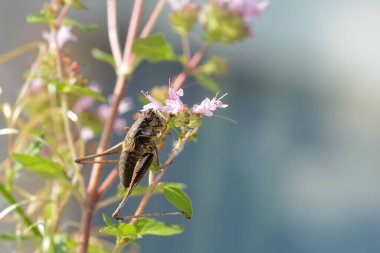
<point>153,18</point>
<point>108,182</point>
<point>189,67</point>
<point>62,14</point>
<point>132,30</point>
<point>186,46</point>
<point>18,51</point>
<point>113,34</point>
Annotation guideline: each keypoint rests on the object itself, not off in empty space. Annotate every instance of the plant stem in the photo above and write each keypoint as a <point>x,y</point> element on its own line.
<point>9,197</point>
<point>153,18</point>
<point>132,30</point>
<point>113,34</point>
<point>189,67</point>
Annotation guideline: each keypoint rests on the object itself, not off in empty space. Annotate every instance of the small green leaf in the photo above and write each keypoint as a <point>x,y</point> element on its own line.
<point>103,56</point>
<point>108,221</point>
<point>215,66</point>
<point>195,123</point>
<point>207,82</point>
<point>13,237</point>
<point>78,5</point>
<point>153,48</point>
<point>147,226</point>
<point>87,92</point>
<point>83,27</point>
<point>179,199</point>
<point>44,167</point>
<point>79,90</point>
<point>60,243</point>
<point>124,231</point>
<point>37,18</point>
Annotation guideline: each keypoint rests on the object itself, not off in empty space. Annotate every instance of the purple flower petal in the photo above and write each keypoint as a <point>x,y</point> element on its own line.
<point>207,106</point>
<point>63,35</point>
<point>154,104</point>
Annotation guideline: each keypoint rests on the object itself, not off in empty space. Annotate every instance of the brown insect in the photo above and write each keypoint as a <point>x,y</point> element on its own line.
<point>138,153</point>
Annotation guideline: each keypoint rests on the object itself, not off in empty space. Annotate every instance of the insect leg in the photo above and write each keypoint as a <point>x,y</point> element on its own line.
<point>140,169</point>
<point>113,150</point>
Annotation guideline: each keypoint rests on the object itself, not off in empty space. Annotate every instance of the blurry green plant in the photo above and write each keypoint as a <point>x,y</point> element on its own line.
<point>52,120</point>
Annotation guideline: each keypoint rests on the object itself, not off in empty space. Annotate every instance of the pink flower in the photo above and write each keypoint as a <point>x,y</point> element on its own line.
<point>83,103</point>
<point>248,8</point>
<point>154,104</point>
<point>207,106</point>
<point>174,103</point>
<point>63,35</point>
<point>177,5</point>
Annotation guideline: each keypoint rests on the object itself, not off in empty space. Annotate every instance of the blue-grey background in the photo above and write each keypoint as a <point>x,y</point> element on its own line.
<point>300,171</point>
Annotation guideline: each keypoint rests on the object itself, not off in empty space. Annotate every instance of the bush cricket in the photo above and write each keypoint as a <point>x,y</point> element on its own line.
<point>138,153</point>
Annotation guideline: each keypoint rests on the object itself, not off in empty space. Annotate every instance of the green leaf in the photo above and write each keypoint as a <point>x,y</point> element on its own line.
<point>60,243</point>
<point>179,199</point>
<point>26,219</point>
<point>108,221</point>
<point>12,237</point>
<point>87,92</point>
<point>215,66</point>
<point>83,27</point>
<point>44,167</point>
<point>147,226</point>
<point>124,231</point>
<point>195,123</point>
<point>79,90</point>
<point>103,56</point>
<point>78,4</point>
<point>207,82</point>
<point>153,48</point>
<point>37,18</point>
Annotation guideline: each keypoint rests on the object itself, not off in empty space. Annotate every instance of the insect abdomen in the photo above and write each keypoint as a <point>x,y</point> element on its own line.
<point>127,164</point>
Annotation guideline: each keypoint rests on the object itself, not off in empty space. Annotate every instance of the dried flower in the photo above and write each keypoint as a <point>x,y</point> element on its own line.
<point>63,35</point>
<point>207,106</point>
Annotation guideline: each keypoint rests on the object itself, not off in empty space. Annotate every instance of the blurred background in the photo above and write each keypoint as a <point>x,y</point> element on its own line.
<point>300,171</point>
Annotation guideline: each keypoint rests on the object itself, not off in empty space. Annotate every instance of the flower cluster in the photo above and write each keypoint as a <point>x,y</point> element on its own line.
<point>174,104</point>
<point>63,35</point>
<point>224,21</point>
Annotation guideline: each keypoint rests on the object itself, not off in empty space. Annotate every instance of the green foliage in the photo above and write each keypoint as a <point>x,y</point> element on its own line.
<point>83,27</point>
<point>153,48</point>
<point>207,82</point>
<point>37,18</point>
<point>80,90</point>
<point>76,4</point>
<point>42,166</point>
<point>103,56</point>
<point>183,21</point>
<point>179,199</point>
<point>222,25</point>
<point>147,226</point>
<point>214,66</point>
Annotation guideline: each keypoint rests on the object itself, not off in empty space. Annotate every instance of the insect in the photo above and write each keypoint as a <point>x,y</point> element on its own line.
<point>138,153</point>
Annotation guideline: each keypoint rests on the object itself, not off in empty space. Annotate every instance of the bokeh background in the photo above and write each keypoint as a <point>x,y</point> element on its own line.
<point>300,171</point>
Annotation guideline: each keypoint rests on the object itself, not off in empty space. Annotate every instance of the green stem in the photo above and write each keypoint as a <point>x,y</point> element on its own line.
<point>9,197</point>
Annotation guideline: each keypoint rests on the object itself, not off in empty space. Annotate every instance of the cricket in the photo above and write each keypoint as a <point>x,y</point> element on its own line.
<point>138,152</point>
